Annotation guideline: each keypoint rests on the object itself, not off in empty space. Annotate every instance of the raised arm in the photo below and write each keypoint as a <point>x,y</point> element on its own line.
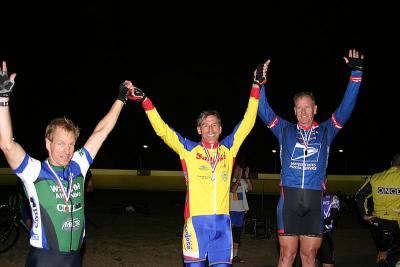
<point>13,152</point>
<point>248,180</point>
<point>266,113</point>
<point>343,112</point>
<point>107,123</point>
<point>238,175</point>
<point>243,128</point>
<point>170,137</point>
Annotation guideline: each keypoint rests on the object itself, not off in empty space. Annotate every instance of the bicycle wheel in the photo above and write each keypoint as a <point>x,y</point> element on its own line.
<point>9,232</point>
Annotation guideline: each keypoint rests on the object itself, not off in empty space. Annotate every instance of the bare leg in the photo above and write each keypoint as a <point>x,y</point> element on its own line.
<point>288,250</point>
<point>308,250</point>
<point>381,257</point>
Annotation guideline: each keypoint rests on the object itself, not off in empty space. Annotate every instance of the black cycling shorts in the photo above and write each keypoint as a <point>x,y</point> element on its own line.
<point>386,232</point>
<point>300,212</point>
<point>39,257</point>
<point>326,253</point>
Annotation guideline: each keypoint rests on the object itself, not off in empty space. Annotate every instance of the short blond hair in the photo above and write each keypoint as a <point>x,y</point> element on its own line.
<point>63,123</point>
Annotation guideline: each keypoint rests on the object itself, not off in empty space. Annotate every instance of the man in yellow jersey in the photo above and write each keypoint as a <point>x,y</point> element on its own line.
<point>384,188</point>
<point>207,166</point>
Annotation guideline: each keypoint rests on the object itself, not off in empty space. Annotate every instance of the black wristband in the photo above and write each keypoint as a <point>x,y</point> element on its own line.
<point>3,104</point>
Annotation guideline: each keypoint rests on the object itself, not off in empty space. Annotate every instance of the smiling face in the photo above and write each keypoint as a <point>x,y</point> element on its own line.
<point>210,128</point>
<point>61,146</point>
<point>305,109</point>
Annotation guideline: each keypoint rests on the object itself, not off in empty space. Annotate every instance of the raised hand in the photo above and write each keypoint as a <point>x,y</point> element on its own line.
<point>123,92</point>
<point>6,83</point>
<point>260,74</point>
<point>135,93</point>
<point>247,172</point>
<point>355,60</point>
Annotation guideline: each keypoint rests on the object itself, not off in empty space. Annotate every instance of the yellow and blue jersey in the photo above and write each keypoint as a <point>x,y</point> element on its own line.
<point>206,194</point>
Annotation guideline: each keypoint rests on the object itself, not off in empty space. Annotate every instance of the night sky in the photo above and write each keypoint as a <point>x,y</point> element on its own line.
<point>70,60</point>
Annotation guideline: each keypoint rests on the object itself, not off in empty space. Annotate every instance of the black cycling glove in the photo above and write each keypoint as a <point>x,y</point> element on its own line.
<point>6,85</point>
<point>355,63</point>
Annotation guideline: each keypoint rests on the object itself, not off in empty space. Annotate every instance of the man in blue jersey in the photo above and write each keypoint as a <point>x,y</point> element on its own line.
<point>304,148</point>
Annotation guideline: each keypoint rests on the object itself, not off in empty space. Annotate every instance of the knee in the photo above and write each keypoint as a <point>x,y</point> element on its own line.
<point>308,256</point>
<point>287,257</point>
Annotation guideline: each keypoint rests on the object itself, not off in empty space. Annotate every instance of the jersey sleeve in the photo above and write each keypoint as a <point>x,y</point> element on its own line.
<point>243,128</point>
<point>344,110</point>
<point>83,159</point>
<point>167,134</point>
<point>273,122</point>
<point>362,196</point>
<point>28,170</point>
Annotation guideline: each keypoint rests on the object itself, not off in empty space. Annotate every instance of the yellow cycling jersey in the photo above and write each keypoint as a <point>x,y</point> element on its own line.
<point>207,191</point>
<point>384,187</point>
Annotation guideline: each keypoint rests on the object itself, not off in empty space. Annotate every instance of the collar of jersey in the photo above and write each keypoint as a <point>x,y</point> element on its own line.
<point>208,145</point>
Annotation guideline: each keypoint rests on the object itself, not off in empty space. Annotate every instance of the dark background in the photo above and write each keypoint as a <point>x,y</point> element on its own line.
<point>70,59</point>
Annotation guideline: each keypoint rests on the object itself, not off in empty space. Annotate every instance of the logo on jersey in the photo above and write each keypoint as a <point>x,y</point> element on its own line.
<point>67,208</point>
<point>312,154</point>
<point>388,190</point>
<point>187,238</point>
<point>81,152</point>
<point>76,190</point>
<point>73,225</point>
<point>204,157</point>
<point>34,212</point>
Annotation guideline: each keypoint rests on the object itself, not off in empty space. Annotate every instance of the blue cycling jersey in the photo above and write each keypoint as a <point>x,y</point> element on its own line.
<point>304,152</point>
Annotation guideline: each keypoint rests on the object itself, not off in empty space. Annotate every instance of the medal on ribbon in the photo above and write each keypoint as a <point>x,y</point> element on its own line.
<point>65,195</point>
<point>213,162</point>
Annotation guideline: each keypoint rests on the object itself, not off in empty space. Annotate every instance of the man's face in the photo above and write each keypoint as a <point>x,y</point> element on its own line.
<point>305,109</point>
<point>210,129</point>
<point>61,148</point>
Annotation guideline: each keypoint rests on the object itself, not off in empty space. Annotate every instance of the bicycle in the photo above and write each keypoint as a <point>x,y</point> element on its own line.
<point>11,221</point>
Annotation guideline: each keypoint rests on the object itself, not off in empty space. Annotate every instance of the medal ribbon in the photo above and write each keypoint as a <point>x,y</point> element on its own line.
<point>214,163</point>
<point>306,138</point>
<point>66,198</point>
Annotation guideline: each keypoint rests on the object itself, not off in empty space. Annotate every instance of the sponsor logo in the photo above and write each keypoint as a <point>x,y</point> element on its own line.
<point>73,225</point>
<point>188,238</point>
<point>305,166</point>
<point>224,176</point>
<point>76,190</point>
<point>388,191</point>
<point>204,157</point>
<point>203,168</point>
<point>67,208</point>
<point>81,152</point>
<point>35,217</point>
<point>312,154</point>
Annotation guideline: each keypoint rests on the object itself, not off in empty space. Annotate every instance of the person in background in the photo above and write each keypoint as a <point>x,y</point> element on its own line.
<point>23,202</point>
<point>331,209</point>
<point>239,206</point>
<point>304,151</point>
<point>383,188</point>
